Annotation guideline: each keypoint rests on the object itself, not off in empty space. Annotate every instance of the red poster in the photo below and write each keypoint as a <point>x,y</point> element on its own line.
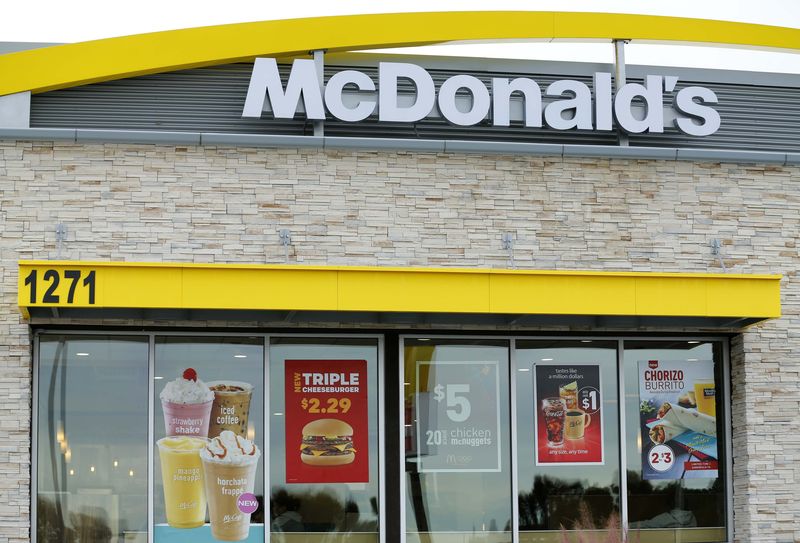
<point>568,414</point>
<point>327,421</point>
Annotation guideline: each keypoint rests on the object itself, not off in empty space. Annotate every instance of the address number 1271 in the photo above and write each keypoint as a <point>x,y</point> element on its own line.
<point>50,281</point>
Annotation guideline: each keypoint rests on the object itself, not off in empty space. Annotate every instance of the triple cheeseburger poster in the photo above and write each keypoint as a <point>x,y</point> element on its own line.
<point>327,421</point>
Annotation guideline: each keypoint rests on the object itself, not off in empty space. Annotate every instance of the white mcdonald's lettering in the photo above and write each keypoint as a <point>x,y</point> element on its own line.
<point>350,96</point>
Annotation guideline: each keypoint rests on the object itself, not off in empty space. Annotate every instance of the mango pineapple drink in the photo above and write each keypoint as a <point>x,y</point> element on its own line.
<point>182,477</point>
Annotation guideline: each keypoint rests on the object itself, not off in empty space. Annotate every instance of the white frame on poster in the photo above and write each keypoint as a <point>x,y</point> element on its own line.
<point>602,420</point>
<point>496,365</point>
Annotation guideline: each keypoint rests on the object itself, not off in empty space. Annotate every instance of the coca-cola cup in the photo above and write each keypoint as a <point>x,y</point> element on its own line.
<point>554,411</point>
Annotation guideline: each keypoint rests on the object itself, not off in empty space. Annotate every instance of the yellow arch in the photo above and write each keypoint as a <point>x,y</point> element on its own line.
<point>64,66</point>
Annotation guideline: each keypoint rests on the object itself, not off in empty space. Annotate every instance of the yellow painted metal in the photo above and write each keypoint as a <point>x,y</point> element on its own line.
<point>564,294</point>
<point>60,286</point>
<point>254,288</point>
<point>426,290</point>
<point>64,66</point>
<point>412,290</point>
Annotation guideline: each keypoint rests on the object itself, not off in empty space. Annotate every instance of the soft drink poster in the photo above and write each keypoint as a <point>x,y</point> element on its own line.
<point>568,414</point>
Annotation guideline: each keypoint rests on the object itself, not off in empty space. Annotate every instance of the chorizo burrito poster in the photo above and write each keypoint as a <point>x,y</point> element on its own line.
<point>568,414</point>
<point>327,421</point>
<point>677,414</point>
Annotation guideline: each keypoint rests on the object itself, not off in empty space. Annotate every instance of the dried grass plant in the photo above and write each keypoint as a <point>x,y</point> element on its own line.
<point>585,530</point>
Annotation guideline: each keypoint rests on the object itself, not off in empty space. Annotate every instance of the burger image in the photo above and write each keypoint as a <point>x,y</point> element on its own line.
<point>327,442</point>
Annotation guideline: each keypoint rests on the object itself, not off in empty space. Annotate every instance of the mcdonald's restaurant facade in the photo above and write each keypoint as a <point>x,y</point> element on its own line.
<point>258,287</point>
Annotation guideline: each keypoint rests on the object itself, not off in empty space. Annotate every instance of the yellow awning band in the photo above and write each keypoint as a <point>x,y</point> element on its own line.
<point>426,290</point>
<point>70,65</point>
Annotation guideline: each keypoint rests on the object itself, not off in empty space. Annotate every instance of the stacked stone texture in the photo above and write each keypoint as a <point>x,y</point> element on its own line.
<point>226,205</point>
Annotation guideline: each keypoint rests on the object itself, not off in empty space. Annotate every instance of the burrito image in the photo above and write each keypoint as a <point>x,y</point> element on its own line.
<point>687,400</point>
<point>664,431</point>
<point>688,418</point>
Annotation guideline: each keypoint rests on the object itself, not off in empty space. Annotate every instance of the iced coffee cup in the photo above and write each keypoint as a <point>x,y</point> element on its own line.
<point>186,403</point>
<point>182,477</point>
<point>231,407</point>
<point>229,467</point>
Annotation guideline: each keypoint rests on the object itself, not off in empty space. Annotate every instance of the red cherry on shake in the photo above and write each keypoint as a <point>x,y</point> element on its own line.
<point>189,374</point>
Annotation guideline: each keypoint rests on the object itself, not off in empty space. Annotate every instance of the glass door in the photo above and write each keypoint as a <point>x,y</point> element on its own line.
<point>457,460</point>
<point>325,447</point>
<point>567,438</point>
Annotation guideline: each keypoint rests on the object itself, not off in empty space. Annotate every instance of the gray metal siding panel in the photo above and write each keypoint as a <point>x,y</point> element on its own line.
<point>754,117</point>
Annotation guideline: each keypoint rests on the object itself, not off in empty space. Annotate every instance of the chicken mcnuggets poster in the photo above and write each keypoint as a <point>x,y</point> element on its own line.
<point>327,421</point>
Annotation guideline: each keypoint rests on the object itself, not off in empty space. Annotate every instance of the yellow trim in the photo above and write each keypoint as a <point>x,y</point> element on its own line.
<point>70,65</point>
<point>439,290</point>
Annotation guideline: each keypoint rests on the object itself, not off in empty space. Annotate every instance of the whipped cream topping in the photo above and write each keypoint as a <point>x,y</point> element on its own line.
<point>186,391</point>
<point>230,448</point>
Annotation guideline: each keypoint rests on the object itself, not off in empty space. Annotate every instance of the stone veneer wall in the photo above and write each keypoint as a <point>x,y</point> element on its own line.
<point>215,204</point>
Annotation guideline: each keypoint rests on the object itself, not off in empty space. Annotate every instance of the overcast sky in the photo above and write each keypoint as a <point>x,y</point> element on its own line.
<point>80,20</point>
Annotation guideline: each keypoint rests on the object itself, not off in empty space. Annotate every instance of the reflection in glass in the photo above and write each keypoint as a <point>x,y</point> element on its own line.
<point>568,496</point>
<point>689,507</point>
<point>457,464</point>
<point>92,439</point>
<point>329,512</point>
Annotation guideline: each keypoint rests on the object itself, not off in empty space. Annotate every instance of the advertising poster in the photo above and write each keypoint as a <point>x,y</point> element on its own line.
<point>208,459</point>
<point>458,416</point>
<point>677,413</point>
<point>568,414</point>
<point>327,421</point>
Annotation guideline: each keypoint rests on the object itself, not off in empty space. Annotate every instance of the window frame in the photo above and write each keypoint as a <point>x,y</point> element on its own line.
<point>723,340</point>
<point>380,345</point>
<point>384,379</point>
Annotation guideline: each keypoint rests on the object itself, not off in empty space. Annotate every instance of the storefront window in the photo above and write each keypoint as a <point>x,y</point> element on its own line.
<point>567,437</point>
<point>91,464</point>
<point>285,445</point>
<point>675,440</point>
<point>208,426</point>
<point>457,459</point>
<point>324,440</point>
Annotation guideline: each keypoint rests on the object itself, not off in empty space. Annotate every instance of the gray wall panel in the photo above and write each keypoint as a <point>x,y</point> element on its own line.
<point>754,117</point>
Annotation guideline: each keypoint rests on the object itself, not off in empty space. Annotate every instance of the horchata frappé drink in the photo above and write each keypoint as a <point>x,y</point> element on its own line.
<point>229,465</point>
<point>182,477</point>
<point>231,407</point>
<point>186,402</point>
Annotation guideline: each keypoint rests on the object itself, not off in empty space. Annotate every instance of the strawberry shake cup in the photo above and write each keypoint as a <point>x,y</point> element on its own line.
<point>186,402</point>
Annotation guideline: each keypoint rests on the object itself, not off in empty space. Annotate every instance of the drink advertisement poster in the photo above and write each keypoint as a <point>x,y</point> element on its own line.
<point>208,458</point>
<point>568,415</point>
<point>327,421</point>
<point>458,418</point>
<point>677,417</point>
